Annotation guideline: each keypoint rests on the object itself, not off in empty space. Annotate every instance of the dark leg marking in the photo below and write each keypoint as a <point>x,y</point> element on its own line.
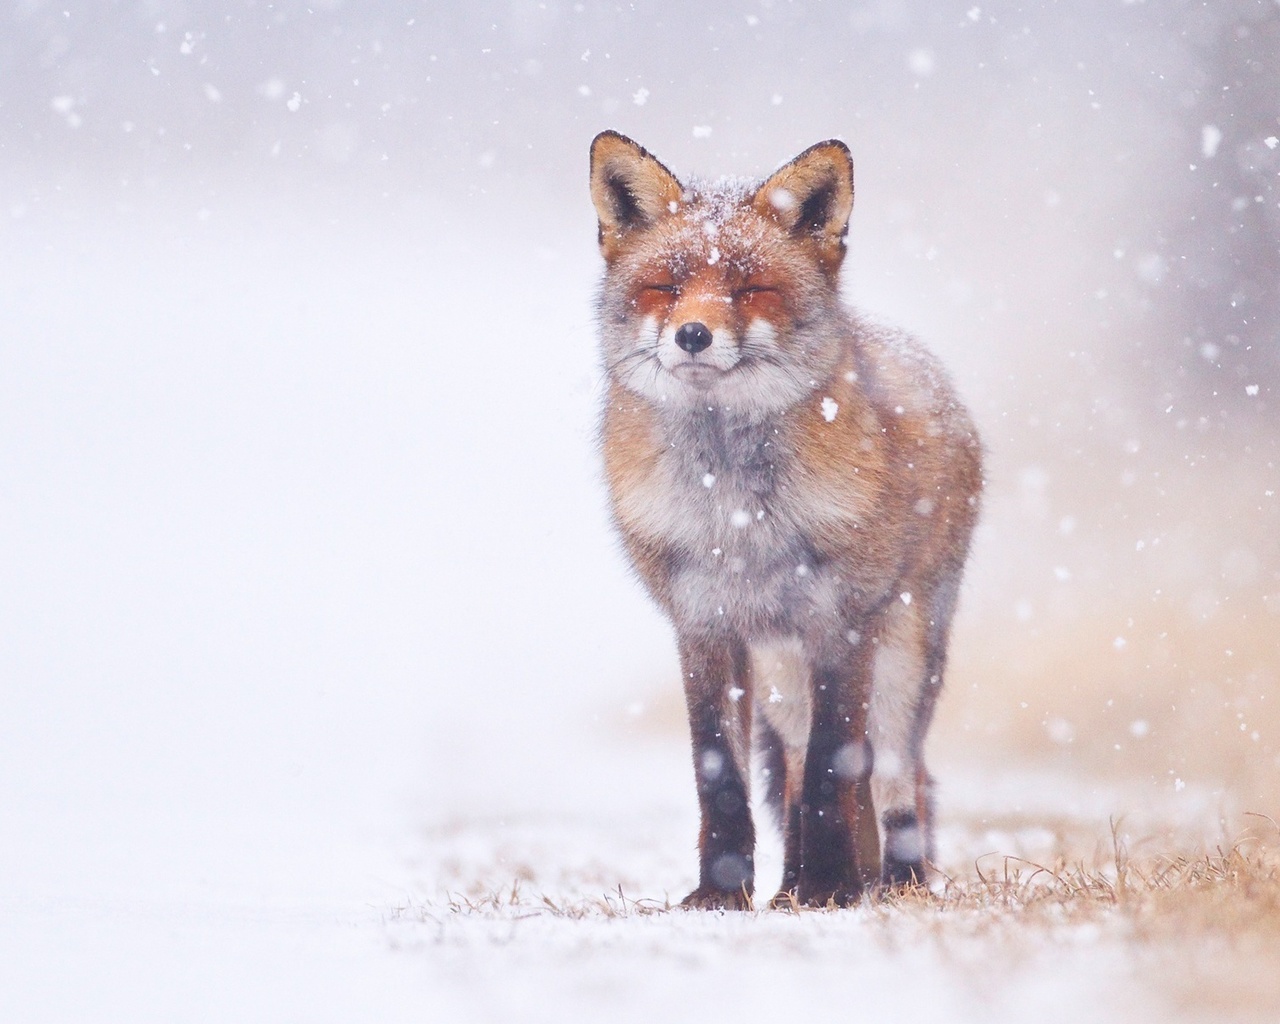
<point>829,800</point>
<point>774,766</point>
<point>726,839</point>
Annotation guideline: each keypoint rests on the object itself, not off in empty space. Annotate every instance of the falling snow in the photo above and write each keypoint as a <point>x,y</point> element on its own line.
<point>267,549</point>
<point>1210,138</point>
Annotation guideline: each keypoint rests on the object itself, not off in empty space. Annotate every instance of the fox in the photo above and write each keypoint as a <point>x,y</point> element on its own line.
<point>796,488</point>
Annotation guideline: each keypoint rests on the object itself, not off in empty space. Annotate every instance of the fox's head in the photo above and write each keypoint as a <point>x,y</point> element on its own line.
<point>721,293</point>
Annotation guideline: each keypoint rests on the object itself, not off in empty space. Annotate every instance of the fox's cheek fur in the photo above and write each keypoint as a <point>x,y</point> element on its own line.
<point>760,335</point>
<point>647,335</point>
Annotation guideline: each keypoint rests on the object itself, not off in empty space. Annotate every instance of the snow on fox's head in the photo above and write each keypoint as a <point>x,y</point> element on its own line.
<point>720,292</point>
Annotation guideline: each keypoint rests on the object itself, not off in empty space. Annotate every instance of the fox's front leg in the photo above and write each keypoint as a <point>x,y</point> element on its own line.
<point>835,795</point>
<point>718,695</point>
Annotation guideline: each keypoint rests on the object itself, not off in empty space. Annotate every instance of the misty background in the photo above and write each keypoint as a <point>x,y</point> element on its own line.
<point>304,542</point>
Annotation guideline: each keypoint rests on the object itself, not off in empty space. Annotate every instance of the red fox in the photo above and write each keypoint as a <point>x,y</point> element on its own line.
<point>796,488</point>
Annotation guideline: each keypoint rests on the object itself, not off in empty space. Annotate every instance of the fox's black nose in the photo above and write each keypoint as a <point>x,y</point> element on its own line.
<point>693,338</point>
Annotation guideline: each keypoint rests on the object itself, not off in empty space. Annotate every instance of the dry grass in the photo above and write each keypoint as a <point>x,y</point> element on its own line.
<point>1228,891</point>
<point>516,904</point>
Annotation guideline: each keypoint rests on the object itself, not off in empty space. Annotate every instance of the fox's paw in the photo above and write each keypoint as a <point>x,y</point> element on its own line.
<point>901,877</point>
<point>706,897</point>
<point>844,895</point>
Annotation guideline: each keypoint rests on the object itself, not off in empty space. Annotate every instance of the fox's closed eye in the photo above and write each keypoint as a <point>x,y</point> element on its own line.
<point>665,289</point>
<point>758,295</point>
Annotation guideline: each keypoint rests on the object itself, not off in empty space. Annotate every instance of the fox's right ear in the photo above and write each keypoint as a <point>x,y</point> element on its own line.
<point>629,187</point>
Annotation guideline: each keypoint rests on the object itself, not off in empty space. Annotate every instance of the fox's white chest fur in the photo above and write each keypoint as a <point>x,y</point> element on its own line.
<point>724,496</point>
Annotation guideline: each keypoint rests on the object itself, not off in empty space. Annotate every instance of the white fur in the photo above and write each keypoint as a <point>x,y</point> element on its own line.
<point>779,665</point>
<point>898,678</point>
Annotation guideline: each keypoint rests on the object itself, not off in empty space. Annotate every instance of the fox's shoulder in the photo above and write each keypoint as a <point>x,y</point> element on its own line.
<point>899,375</point>
<point>884,424</point>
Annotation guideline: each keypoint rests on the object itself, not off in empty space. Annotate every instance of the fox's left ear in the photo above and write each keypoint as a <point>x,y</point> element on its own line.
<point>812,196</point>
<point>630,188</point>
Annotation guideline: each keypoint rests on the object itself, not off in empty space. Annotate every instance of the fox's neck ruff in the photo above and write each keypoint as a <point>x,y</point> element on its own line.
<point>724,444</point>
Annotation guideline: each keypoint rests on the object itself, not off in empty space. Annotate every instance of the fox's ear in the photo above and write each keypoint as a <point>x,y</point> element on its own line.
<point>812,196</point>
<point>629,187</point>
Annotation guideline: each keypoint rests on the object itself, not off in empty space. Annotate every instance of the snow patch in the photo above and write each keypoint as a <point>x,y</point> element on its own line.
<point>850,761</point>
<point>781,199</point>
